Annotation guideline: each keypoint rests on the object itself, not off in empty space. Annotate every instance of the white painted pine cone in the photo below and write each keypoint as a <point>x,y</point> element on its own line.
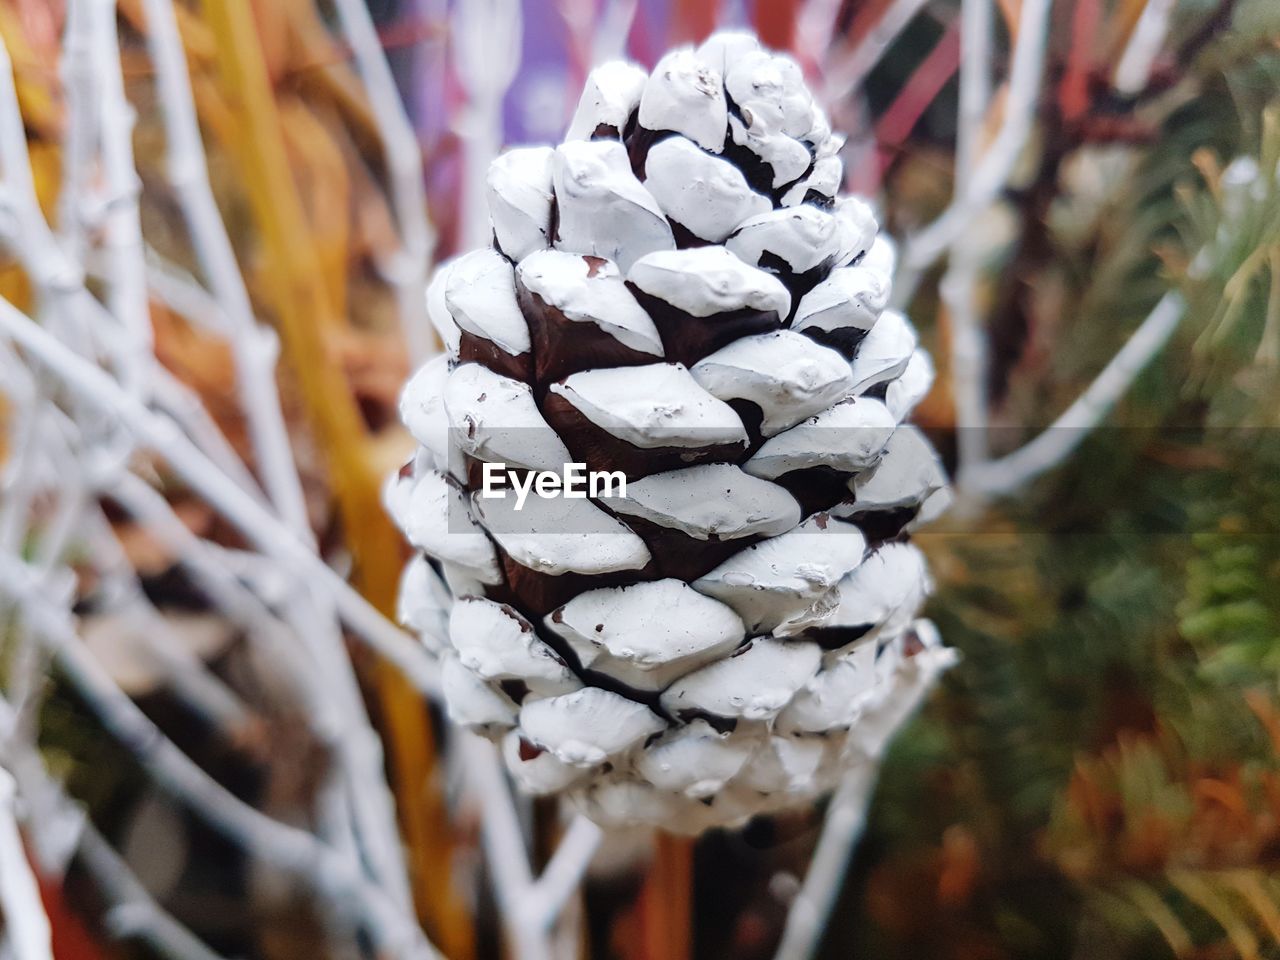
<point>677,293</point>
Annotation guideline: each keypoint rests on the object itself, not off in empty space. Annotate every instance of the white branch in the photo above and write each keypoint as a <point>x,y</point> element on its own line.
<point>1139,56</point>
<point>846,73</point>
<point>407,269</point>
<point>287,848</point>
<point>847,811</point>
<point>127,288</point>
<point>26,924</point>
<point>135,913</point>
<point>504,849</point>
<point>993,171</point>
<point>1056,442</point>
<point>563,872</point>
<point>486,36</point>
<point>257,524</point>
<point>254,349</point>
<point>959,287</point>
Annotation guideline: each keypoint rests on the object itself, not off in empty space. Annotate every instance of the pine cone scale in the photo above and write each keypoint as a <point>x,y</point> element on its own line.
<point>676,293</point>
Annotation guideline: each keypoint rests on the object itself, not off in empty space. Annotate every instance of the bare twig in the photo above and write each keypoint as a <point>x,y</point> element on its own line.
<point>133,911</point>
<point>287,848</point>
<point>127,275</point>
<point>406,269</point>
<point>959,287</point>
<point>563,872</point>
<point>26,926</point>
<point>846,73</point>
<point>847,812</point>
<point>992,172</point>
<point>1056,442</point>
<point>486,36</point>
<point>255,349</point>
<point>258,525</point>
<point>505,850</point>
<point>1134,66</point>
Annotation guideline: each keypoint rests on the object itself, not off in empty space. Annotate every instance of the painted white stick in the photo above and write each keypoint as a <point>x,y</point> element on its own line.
<point>993,171</point>
<point>1056,442</point>
<point>486,36</point>
<point>255,350</point>
<point>406,269</point>
<point>1140,53</point>
<point>847,816</point>
<point>504,849</point>
<point>26,924</point>
<point>959,286</point>
<point>76,72</point>
<point>845,74</point>
<point>122,230</point>
<point>257,524</point>
<point>564,871</point>
<point>288,848</point>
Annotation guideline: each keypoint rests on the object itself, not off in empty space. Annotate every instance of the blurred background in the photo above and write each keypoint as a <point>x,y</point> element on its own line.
<point>1086,198</point>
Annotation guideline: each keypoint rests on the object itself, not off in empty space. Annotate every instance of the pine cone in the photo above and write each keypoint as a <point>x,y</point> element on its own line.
<point>676,292</point>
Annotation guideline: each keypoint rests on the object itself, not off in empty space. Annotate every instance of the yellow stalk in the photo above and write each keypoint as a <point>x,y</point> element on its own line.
<point>305,313</point>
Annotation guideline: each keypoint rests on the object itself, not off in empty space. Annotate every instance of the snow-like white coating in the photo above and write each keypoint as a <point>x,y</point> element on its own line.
<point>471,702</point>
<point>835,697</point>
<point>647,634</point>
<point>609,97</point>
<point>778,579</point>
<point>724,47</point>
<point>912,385</point>
<point>588,726</point>
<point>705,281</point>
<point>438,311</point>
<point>857,227</point>
<point>754,684</point>
<point>432,511</point>
<point>825,179</point>
<point>882,255</point>
<point>423,602</point>
<point>884,593</point>
<point>496,643</point>
<point>496,418</point>
<point>541,774</point>
<point>694,760</point>
<point>706,195</point>
<point>848,297</point>
<point>422,409</point>
<point>590,293</point>
<point>884,352</point>
<point>683,94</point>
<point>518,188</point>
<point>658,405</point>
<point>847,437</point>
<point>586,539</point>
<point>711,500</point>
<point>787,375</point>
<point>770,93</point>
<point>802,237</point>
<point>603,209</point>
<point>786,765</point>
<point>481,296</point>
<point>787,157</point>
<point>908,473</point>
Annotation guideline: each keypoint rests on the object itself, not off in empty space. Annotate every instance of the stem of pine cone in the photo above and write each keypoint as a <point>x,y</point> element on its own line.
<point>305,316</point>
<point>666,902</point>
